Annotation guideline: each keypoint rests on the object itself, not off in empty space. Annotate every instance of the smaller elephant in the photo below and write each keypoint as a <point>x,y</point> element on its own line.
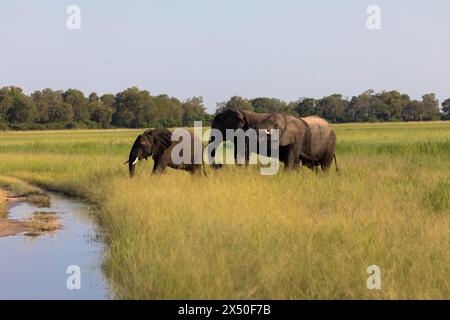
<point>157,143</point>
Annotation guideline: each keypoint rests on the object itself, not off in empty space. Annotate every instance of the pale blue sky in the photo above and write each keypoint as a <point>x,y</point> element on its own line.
<point>220,48</point>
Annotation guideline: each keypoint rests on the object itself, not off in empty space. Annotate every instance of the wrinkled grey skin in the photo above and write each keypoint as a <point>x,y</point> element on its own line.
<point>320,145</point>
<point>157,143</point>
<point>309,141</point>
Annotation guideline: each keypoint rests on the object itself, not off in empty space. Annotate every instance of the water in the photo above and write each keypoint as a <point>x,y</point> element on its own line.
<point>35,267</point>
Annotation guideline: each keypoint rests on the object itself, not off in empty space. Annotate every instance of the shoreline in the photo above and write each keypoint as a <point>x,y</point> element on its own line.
<point>38,223</point>
<point>10,227</point>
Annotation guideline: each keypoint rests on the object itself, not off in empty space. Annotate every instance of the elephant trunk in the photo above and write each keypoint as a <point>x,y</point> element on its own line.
<point>132,160</point>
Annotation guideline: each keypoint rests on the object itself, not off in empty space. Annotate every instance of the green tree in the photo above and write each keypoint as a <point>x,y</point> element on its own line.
<point>136,108</point>
<point>235,102</point>
<point>61,113</point>
<point>6,101</point>
<point>93,97</point>
<point>92,103</point>
<point>358,109</point>
<point>109,100</point>
<point>430,107</point>
<point>333,108</point>
<point>412,111</point>
<point>167,112</point>
<point>305,107</point>
<point>46,101</point>
<point>268,105</point>
<point>16,106</point>
<point>79,104</point>
<point>133,108</point>
<point>193,110</point>
<point>101,114</point>
<point>394,104</point>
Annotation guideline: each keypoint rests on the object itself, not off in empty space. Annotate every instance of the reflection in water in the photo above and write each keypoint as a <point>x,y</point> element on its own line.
<point>43,222</point>
<point>35,267</point>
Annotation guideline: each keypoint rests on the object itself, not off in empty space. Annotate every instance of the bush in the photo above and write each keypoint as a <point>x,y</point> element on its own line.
<point>3,126</point>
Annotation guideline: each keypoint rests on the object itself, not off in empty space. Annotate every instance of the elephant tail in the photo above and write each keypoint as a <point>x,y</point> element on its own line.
<point>335,163</point>
<point>204,169</point>
<point>203,161</point>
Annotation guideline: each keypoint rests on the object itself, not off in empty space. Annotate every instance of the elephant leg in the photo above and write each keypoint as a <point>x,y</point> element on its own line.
<point>326,162</point>
<point>195,170</point>
<point>247,152</point>
<point>293,154</point>
<point>282,156</point>
<point>235,150</point>
<point>159,167</point>
<point>292,157</point>
<point>329,154</point>
<point>311,166</point>
<point>212,156</point>
<point>237,154</point>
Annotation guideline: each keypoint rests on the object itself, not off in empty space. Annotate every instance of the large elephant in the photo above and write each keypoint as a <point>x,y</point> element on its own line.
<point>231,119</point>
<point>157,143</point>
<point>310,141</point>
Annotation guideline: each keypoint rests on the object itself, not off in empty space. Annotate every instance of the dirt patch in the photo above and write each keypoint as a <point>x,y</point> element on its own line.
<point>3,203</point>
<point>10,227</point>
<point>39,223</point>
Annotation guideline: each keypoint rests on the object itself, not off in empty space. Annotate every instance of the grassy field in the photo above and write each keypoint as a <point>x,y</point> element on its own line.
<point>236,234</point>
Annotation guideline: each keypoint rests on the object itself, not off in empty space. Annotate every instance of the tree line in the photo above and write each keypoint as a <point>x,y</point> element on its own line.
<point>135,108</point>
<point>131,108</point>
<point>369,106</point>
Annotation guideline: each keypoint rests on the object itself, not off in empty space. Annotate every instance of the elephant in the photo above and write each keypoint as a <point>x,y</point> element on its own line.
<point>157,143</point>
<point>321,146</point>
<point>309,141</point>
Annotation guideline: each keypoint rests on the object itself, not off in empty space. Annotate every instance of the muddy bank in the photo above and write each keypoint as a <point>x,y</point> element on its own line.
<point>37,224</point>
<point>9,227</point>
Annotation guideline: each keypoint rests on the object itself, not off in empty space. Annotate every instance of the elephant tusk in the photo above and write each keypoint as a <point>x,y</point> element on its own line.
<point>267,132</point>
<point>134,162</point>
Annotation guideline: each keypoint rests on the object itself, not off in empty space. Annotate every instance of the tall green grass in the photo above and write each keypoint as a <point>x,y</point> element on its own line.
<point>237,234</point>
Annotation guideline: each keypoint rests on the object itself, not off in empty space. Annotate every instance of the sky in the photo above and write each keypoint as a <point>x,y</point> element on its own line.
<point>220,48</point>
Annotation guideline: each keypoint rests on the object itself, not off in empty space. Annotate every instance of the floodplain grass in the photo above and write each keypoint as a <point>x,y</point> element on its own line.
<point>236,234</point>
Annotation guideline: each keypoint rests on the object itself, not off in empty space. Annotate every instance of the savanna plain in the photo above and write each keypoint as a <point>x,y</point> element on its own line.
<point>239,235</point>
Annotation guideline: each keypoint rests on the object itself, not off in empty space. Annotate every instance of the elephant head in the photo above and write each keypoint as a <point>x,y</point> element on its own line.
<point>229,119</point>
<point>290,127</point>
<point>150,143</point>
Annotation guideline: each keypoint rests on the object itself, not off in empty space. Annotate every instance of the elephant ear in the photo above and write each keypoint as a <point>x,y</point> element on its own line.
<point>234,119</point>
<point>295,128</point>
<point>159,140</point>
<point>290,128</point>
